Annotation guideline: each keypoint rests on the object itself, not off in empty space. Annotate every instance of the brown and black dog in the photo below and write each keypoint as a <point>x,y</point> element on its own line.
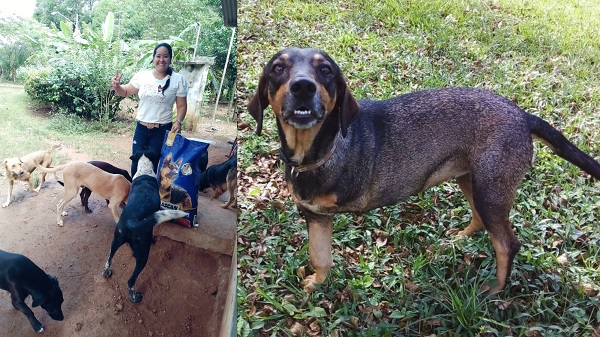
<point>167,189</point>
<point>344,155</point>
<point>231,188</point>
<point>221,177</point>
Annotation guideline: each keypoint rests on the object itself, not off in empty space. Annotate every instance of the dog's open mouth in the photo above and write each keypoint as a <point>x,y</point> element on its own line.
<point>302,113</point>
<point>303,117</point>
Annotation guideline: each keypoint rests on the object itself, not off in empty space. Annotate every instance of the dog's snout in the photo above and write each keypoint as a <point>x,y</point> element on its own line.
<point>303,88</point>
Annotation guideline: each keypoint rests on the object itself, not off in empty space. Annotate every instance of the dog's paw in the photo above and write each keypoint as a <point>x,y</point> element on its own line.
<point>107,273</point>
<point>135,296</point>
<point>310,283</point>
<point>64,213</point>
<point>60,223</point>
<point>453,232</point>
<point>6,204</point>
<point>38,327</point>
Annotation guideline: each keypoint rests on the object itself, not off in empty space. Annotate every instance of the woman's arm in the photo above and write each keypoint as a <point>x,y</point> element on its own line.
<point>181,103</point>
<point>126,90</point>
<point>122,90</point>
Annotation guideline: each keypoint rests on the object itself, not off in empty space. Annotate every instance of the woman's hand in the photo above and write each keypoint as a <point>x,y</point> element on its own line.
<point>176,127</point>
<point>116,81</point>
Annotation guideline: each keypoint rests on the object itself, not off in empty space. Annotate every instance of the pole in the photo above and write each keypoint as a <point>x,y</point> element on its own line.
<point>212,127</point>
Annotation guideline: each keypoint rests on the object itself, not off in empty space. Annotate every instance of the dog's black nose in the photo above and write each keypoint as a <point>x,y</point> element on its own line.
<point>303,88</point>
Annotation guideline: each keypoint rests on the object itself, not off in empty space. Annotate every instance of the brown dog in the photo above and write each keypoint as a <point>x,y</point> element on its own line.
<point>343,155</point>
<point>113,187</point>
<point>167,189</point>
<point>21,169</point>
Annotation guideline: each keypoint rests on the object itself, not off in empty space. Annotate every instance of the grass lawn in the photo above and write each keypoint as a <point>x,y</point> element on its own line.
<point>397,272</point>
<point>26,127</point>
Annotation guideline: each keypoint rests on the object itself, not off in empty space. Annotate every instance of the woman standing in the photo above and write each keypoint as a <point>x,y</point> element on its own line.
<point>157,89</point>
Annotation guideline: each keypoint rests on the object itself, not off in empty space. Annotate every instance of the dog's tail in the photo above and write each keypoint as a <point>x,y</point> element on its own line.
<point>163,216</point>
<point>54,147</point>
<point>562,146</point>
<point>50,169</point>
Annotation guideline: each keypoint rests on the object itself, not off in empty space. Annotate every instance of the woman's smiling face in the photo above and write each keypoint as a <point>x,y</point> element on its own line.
<point>162,59</point>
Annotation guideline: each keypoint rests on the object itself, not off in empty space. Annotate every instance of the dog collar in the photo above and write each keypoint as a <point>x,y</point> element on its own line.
<point>297,169</point>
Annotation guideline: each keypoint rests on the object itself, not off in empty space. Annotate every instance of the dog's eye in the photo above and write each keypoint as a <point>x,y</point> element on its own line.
<point>278,69</point>
<point>326,70</point>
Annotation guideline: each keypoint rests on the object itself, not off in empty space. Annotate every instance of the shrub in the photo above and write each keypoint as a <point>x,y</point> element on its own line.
<point>77,83</point>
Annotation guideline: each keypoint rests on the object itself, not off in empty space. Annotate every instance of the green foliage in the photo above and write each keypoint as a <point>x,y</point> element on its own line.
<point>397,272</point>
<point>78,80</point>
<point>19,39</point>
<point>52,12</point>
<point>154,21</point>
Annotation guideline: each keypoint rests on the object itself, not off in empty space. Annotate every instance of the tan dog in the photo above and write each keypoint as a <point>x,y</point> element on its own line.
<point>113,187</point>
<point>21,169</point>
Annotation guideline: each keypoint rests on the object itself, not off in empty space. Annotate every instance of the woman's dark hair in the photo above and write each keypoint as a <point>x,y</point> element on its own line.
<point>170,69</point>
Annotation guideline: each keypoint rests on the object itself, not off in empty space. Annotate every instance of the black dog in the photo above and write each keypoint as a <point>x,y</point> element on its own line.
<point>200,167</point>
<point>138,219</point>
<point>215,176</point>
<point>86,192</point>
<point>21,277</point>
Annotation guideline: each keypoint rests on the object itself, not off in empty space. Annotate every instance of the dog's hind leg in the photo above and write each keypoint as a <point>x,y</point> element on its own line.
<point>117,242</point>
<point>84,195</point>
<point>320,231</point>
<point>141,258</point>
<point>71,189</point>
<point>114,208</point>
<point>476,225</point>
<point>229,201</point>
<point>494,190</point>
<point>42,180</point>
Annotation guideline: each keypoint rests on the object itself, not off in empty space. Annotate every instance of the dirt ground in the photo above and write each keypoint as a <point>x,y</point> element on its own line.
<point>184,286</point>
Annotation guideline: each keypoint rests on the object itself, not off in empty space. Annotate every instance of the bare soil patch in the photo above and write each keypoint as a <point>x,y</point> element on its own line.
<point>184,286</point>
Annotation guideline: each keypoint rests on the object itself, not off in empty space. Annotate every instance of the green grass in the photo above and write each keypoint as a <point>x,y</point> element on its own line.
<point>420,281</point>
<point>26,127</point>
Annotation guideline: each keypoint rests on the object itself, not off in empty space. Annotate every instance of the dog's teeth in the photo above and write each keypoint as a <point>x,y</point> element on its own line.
<point>302,112</point>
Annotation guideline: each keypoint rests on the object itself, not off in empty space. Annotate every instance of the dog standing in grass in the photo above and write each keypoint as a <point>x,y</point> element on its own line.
<point>344,155</point>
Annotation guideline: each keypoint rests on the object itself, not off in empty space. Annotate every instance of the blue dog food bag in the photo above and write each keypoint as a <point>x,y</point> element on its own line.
<point>177,177</point>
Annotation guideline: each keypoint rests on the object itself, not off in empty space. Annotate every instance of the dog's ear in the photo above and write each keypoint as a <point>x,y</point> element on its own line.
<point>259,102</point>
<point>347,105</point>
<point>177,163</point>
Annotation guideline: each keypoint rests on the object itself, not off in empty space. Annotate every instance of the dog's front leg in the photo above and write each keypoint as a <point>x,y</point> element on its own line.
<point>320,231</point>
<point>22,307</point>
<point>10,189</point>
